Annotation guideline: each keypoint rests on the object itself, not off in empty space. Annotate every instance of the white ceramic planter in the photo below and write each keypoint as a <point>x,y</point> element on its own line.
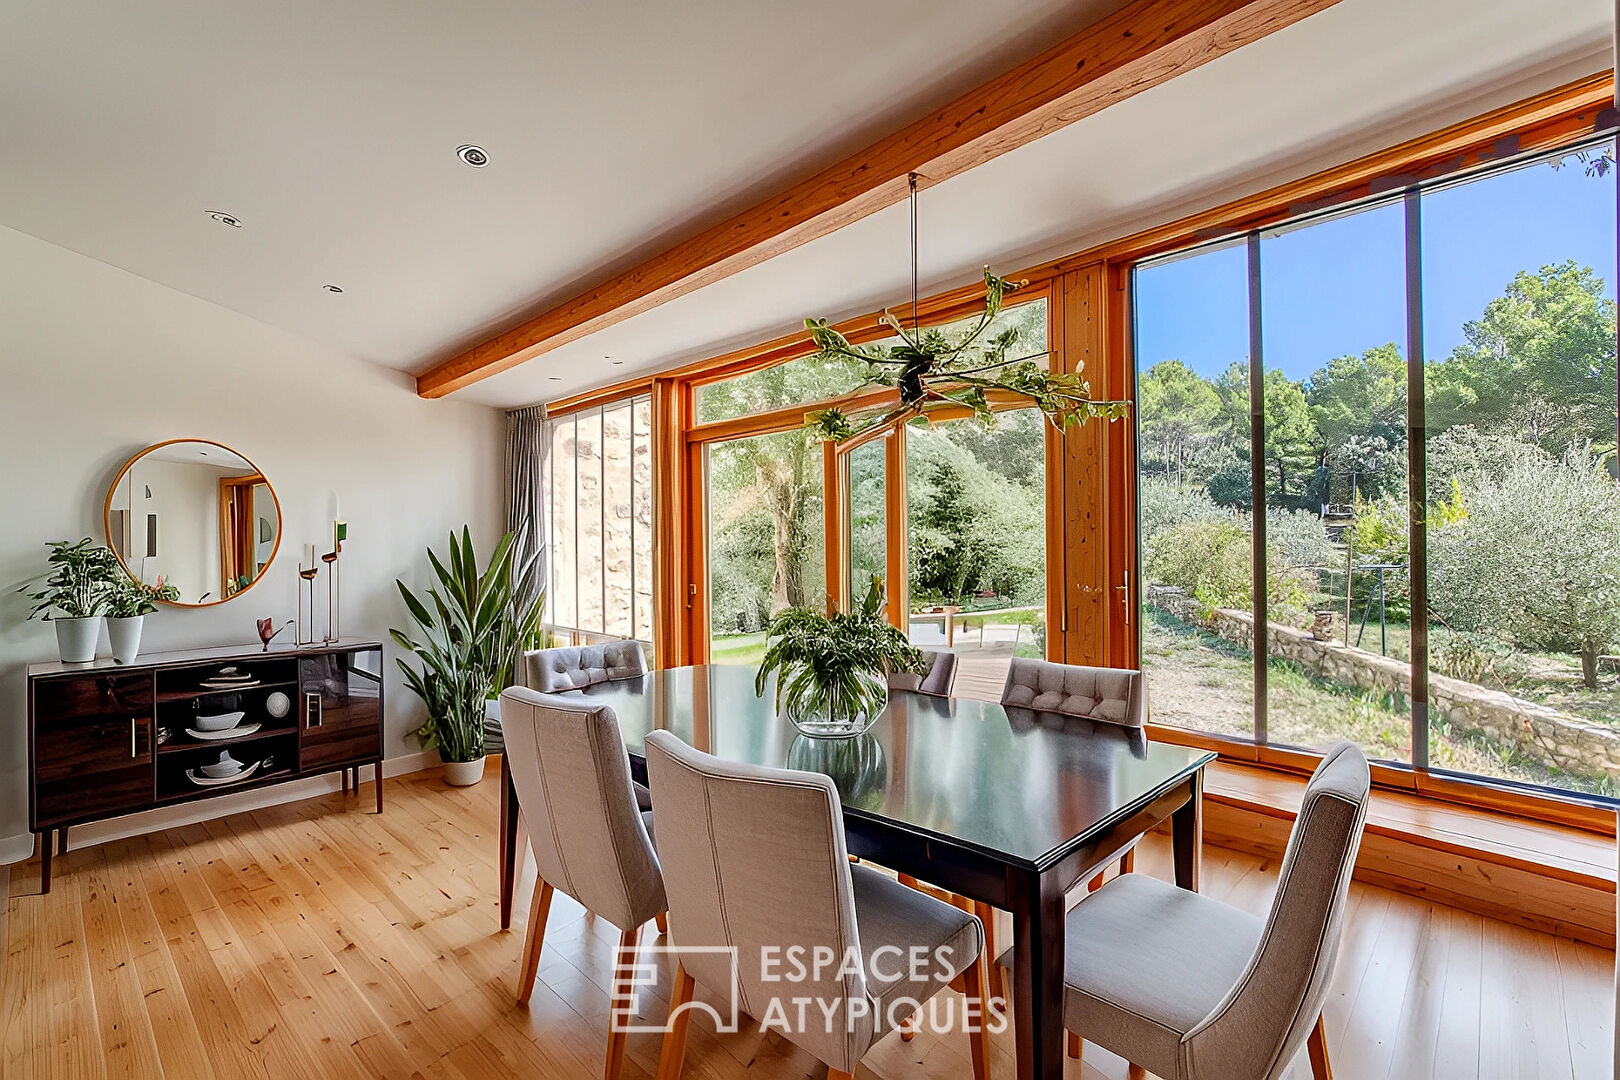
<point>76,639</point>
<point>125,637</point>
<point>464,773</point>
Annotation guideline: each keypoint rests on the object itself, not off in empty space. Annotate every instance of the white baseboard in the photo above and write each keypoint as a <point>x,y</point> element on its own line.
<point>14,849</point>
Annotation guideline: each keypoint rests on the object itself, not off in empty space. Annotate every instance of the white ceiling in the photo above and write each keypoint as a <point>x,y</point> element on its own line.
<point>330,129</point>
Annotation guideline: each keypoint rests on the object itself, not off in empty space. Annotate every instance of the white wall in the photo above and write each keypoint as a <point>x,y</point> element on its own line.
<point>96,363</point>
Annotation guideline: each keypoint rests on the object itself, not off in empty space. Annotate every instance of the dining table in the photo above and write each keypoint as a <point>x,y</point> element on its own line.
<point>1001,805</point>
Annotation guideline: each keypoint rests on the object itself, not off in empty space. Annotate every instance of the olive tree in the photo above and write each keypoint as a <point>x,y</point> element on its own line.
<point>1534,557</point>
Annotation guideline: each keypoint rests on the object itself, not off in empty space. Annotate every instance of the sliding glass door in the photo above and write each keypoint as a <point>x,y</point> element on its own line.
<point>1387,435</point>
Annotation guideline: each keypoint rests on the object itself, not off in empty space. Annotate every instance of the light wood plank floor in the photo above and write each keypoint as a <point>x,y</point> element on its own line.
<point>318,939</point>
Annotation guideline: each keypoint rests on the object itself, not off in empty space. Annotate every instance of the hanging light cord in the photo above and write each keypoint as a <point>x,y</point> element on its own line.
<point>914,319</point>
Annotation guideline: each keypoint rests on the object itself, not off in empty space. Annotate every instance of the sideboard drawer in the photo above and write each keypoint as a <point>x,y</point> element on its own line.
<point>340,703</point>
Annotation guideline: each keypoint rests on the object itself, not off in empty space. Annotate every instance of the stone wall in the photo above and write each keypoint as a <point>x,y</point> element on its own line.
<point>1553,738</point>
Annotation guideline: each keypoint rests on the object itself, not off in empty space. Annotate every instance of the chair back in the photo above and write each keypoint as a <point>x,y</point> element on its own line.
<point>1117,695</point>
<point>552,671</point>
<point>573,782</point>
<point>758,867</point>
<point>1259,1027</point>
<point>938,681</point>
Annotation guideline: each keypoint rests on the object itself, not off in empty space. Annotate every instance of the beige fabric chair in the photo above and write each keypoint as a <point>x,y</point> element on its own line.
<point>551,671</point>
<point>556,671</point>
<point>939,681</point>
<point>755,864</point>
<point>589,838</point>
<point>1117,695</point>
<point>1191,989</point>
<point>1114,695</point>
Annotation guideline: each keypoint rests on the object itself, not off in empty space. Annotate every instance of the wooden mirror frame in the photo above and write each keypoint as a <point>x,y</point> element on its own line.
<point>258,474</point>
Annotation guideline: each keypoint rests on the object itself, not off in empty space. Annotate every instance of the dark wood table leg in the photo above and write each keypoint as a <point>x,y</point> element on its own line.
<point>1187,833</point>
<point>61,841</point>
<point>376,776</point>
<point>46,838</point>
<point>509,843</point>
<point>1037,911</point>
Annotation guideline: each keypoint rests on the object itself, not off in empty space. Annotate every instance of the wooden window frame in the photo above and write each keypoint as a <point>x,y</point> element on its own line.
<point>1091,513</point>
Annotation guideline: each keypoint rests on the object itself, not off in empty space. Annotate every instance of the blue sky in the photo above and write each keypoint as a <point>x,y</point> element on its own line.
<point>1338,286</point>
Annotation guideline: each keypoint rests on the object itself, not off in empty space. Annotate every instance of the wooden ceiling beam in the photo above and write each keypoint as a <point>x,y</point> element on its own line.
<point>1144,44</point>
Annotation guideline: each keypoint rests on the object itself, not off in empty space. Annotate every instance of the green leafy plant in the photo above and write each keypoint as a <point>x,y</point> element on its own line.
<point>837,662</point>
<point>80,583</point>
<point>470,630</point>
<point>130,599</point>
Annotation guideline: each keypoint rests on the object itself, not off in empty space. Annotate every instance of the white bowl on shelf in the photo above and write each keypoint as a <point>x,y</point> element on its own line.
<point>218,722</point>
<point>226,766</point>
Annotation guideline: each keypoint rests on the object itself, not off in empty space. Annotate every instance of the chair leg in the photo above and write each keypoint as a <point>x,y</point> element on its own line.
<point>992,974</point>
<point>1127,862</point>
<point>1075,1046</point>
<point>1317,1045</point>
<point>673,1055</point>
<point>661,920</point>
<point>539,908</point>
<point>624,966</point>
<point>973,1005</point>
<point>839,1074</point>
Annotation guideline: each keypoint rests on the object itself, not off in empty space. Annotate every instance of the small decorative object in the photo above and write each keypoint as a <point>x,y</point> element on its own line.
<point>931,371</point>
<point>308,569</point>
<point>1322,626</point>
<point>330,559</point>
<point>225,766</point>
<point>229,733</point>
<point>219,722</point>
<point>76,595</point>
<point>164,735</point>
<point>201,778</point>
<point>473,628</point>
<point>277,704</point>
<point>268,630</point>
<point>230,678</point>
<point>832,670</point>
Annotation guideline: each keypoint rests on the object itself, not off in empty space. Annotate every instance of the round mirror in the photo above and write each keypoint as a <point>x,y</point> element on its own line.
<point>197,515</point>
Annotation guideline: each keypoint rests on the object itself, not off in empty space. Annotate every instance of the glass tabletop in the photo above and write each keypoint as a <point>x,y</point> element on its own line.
<point>1021,786</point>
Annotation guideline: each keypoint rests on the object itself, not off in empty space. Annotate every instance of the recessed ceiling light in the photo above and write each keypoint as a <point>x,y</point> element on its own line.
<point>332,288</point>
<point>612,361</point>
<point>225,219</point>
<point>475,156</point>
<point>555,378</point>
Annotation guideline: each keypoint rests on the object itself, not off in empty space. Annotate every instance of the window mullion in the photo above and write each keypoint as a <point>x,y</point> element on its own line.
<point>1417,543</point>
<point>1257,490</point>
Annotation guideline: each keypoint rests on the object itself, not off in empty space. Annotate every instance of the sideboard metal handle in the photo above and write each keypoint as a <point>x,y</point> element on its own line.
<point>132,722</point>
<point>312,710</point>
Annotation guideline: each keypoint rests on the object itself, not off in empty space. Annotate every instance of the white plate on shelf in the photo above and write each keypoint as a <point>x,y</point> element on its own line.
<point>220,722</point>
<point>228,733</point>
<point>211,684</point>
<point>208,781</point>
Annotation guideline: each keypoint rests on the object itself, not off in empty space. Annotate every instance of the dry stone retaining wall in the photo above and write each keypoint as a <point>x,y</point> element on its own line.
<point>1553,738</point>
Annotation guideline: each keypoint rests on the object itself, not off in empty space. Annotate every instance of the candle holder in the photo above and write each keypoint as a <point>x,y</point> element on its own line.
<point>306,582</point>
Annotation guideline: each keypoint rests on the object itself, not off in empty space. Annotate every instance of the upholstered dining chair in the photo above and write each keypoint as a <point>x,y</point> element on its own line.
<point>939,680</point>
<point>1113,695</point>
<point>556,671</point>
<point>589,838</point>
<point>552,671</point>
<point>758,869</point>
<point>1191,989</point>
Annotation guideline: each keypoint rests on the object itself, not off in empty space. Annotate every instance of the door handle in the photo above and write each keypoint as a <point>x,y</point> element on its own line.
<point>132,722</point>
<point>312,710</point>
<point>1125,595</point>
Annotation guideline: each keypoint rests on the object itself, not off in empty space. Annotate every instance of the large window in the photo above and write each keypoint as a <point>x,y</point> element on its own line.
<point>1462,629</point>
<point>598,494</point>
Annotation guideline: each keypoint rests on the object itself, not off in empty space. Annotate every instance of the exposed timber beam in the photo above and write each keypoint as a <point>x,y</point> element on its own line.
<point>1144,44</point>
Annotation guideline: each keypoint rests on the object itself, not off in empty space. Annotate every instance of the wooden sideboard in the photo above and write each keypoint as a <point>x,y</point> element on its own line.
<point>106,739</point>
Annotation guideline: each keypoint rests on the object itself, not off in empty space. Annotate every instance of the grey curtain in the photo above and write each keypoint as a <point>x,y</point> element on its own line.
<point>527,443</point>
<point>528,440</point>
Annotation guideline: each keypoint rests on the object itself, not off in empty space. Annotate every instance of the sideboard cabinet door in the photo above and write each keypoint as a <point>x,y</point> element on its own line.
<point>92,746</point>
<point>340,708</point>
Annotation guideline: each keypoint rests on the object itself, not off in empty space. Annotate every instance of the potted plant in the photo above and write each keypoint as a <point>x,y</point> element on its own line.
<point>75,595</point>
<point>470,630</point>
<point>128,605</point>
<point>833,670</point>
